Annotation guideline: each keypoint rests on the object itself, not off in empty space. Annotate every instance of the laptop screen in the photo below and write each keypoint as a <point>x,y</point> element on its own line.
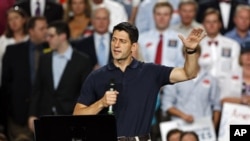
<point>76,128</point>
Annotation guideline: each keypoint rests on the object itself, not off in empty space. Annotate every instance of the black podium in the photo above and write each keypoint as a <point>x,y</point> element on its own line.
<point>76,128</point>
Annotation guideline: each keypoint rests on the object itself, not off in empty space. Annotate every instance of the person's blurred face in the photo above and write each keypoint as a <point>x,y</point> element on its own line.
<point>245,60</point>
<point>121,45</point>
<point>188,137</point>
<point>15,21</point>
<point>187,13</point>
<point>212,24</point>
<point>100,21</point>
<point>175,137</point>
<point>54,39</point>
<point>162,17</point>
<point>78,7</point>
<point>39,32</point>
<point>242,20</point>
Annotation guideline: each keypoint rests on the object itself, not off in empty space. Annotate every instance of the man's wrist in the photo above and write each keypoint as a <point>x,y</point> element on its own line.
<point>191,51</point>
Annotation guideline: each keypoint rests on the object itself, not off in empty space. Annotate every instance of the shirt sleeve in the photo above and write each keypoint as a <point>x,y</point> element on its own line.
<point>87,95</point>
<point>215,96</point>
<point>164,75</point>
<point>168,97</point>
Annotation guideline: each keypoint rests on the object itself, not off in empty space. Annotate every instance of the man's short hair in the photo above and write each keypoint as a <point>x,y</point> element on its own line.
<point>32,21</point>
<point>191,133</point>
<point>184,2</point>
<point>172,132</point>
<point>241,7</point>
<point>210,11</point>
<point>61,27</point>
<point>163,4</point>
<point>130,29</point>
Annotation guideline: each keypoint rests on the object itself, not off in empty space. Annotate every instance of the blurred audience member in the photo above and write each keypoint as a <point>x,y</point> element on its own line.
<point>241,82</point>
<point>117,11</point>
<point>51,10</point>
<point>4,6</point>
<point>144,18</point>
<point>174,135</point>
<point>59,77</point>
<point>220,55</point>
<point>241,32</point>
<point>15,32</point>
<point>131,7</point>
<point>189,136</point>
<point>226,9</point>
<point>19,68</point>
<point>77,15</point>
<point>97,46</point>
<point>187,11</point>
<point>161,45</point>
<point>197,98</point>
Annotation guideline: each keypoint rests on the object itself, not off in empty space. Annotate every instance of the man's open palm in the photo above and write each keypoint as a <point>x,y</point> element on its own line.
<point>193,39</point>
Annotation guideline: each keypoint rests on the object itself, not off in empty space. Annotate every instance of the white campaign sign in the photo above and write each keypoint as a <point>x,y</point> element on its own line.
<point>202,126</point>
<point>232,114</point>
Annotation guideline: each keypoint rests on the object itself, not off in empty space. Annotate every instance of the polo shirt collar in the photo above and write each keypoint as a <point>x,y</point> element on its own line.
<point>133,64</point>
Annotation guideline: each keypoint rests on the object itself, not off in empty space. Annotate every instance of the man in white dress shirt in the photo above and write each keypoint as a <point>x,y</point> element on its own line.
<point>171,45</point>
<point>117,11</point>
<point>220,54</point>
<point>187,11</point>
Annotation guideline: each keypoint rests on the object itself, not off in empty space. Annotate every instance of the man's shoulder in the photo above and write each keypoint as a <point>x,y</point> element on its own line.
<point>230,33</point>
<point>113,4</point>
<point>18,46</point>
<point>228,40</point>
<point>82,42</point>
<point>80,55</point>
<point>146,35</point>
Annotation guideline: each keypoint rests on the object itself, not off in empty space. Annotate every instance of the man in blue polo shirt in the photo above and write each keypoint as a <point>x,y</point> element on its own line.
<point>136,83</point>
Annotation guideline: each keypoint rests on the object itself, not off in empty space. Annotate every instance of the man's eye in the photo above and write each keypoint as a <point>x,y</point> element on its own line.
<point>123,41</point>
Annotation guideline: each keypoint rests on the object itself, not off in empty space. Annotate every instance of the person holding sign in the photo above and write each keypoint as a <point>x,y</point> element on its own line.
<point>241,79</point>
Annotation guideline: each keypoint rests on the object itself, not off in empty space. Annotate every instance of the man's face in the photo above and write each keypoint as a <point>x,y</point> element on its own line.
<point>242,20</point>
<point>212,24</point>
<point>162,17</point>
<point>187,13</point>
<point>53,38</point>
<point>100,21</point>
<point>39,32</point>
<point>121,45</point>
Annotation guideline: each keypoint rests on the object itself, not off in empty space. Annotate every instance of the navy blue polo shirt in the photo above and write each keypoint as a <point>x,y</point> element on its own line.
<point>138,88</point>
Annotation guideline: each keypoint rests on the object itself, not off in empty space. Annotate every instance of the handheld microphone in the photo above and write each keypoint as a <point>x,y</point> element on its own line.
<point>111,88</point>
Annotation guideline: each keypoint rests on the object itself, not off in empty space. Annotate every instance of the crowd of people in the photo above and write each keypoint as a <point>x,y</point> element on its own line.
<point>50,49</point>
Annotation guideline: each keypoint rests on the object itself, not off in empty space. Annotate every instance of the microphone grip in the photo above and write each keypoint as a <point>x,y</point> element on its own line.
<point>110,111</point>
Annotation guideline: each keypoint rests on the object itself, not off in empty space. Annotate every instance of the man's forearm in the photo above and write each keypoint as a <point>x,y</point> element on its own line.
<point>176,112</point>
<point>93,109</point>
<point>216,118</point>
<point>191,66</point>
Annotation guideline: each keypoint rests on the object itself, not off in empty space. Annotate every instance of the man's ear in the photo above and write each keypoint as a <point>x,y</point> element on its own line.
<point>64,36</point>
<point>134,47</point>
<point>134,50</point>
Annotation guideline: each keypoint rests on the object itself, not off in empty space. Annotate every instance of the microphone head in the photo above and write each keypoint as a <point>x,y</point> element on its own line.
<point>112,84</point>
